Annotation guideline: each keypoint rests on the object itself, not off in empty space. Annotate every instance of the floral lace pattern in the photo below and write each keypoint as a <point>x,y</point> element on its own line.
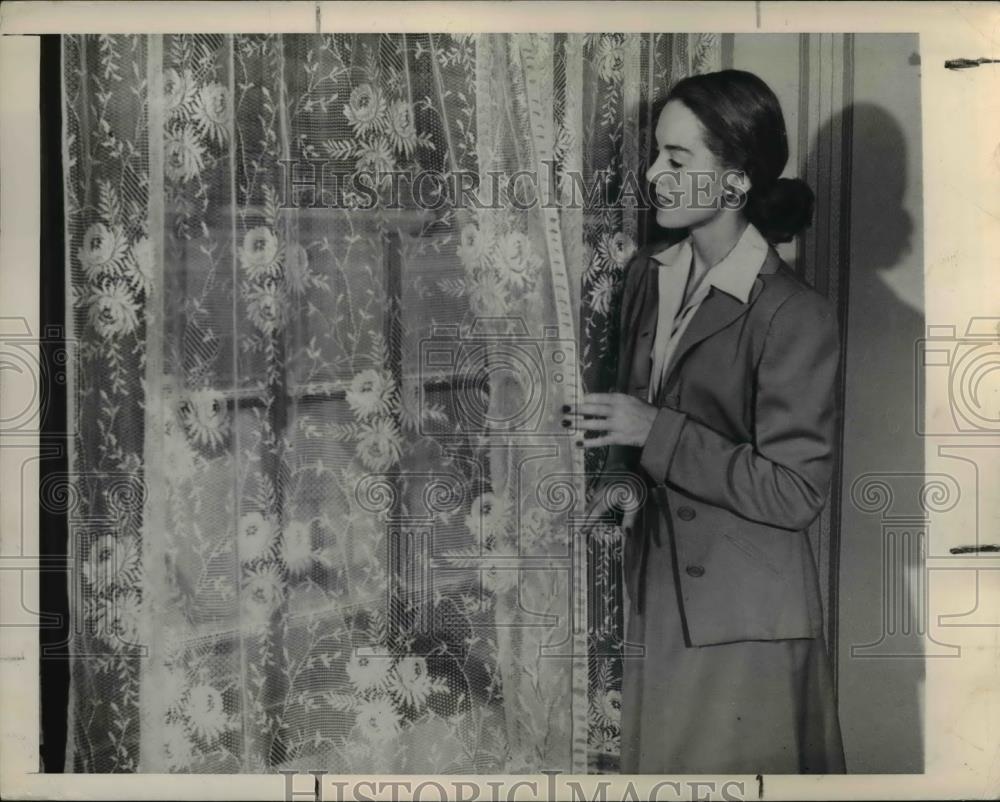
<point>301,542</point>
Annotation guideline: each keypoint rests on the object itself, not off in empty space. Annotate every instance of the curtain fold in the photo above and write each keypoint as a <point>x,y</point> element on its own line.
<point>325,509</point>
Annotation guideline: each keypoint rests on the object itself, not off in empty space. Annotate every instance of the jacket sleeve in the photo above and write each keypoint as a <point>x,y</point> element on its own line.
<point>782,478</point>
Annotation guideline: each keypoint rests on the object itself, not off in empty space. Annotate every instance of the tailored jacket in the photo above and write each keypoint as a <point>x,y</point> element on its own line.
<point>739,459</point>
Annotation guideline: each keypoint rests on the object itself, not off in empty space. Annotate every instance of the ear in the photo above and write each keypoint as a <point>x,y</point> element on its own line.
<point>738,181</point>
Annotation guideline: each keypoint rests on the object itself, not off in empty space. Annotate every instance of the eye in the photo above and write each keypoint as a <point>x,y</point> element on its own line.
<point>674,163</point>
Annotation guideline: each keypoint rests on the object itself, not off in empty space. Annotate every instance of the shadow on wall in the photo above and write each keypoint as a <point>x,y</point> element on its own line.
<point>884,252</point>
<point>880,692</point>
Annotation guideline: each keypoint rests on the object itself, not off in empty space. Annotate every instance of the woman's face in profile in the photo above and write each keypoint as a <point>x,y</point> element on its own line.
<point>686,178</point>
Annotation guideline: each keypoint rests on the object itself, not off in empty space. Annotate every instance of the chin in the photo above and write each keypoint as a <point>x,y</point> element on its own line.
<point>683,218</point>
<point>672,218</point>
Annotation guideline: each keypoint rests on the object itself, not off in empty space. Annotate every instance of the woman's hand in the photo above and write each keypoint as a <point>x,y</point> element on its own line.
<point>624,419</point>
<point>601,509</point>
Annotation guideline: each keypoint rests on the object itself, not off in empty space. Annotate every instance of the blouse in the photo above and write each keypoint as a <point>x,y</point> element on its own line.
<point>734,274</point>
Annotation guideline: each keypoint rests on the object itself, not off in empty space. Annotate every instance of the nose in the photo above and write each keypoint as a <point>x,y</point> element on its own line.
<point>651,172</point>
<point>655,170</point>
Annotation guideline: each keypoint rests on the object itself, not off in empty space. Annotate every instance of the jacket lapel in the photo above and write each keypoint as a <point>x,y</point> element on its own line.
<point>717,311</point>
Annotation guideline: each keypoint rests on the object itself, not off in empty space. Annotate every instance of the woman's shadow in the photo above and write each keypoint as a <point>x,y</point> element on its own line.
<point>881,283</point>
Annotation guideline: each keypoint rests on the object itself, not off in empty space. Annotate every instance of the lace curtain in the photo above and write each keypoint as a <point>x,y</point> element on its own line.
<point>322,508</point>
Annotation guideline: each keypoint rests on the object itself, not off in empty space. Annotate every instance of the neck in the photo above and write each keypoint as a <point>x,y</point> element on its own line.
<point>714,239</point>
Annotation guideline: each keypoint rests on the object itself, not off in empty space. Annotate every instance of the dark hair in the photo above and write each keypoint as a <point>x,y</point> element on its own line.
<point>745,130</point>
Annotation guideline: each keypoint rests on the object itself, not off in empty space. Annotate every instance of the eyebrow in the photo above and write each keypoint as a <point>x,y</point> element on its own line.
<point>672,147</point>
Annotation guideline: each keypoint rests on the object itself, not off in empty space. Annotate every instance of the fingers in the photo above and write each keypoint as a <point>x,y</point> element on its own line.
<point>598,442</point>
<point>593,425</point>
<point>628,520</point>
<point>600,398</point>
<point>594,404</point>
<point>601,511</point>
<point>598,509</point>
<point>595,410</point>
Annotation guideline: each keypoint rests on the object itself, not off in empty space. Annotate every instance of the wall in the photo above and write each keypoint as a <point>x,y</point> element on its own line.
<point>852,109</point>
<point>880,696</point>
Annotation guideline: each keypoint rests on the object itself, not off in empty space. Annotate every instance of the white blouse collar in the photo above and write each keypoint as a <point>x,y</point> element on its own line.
<point>736,273</point>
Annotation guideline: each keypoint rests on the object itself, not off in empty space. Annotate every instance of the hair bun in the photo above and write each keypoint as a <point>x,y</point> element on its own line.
<point>782,210</point>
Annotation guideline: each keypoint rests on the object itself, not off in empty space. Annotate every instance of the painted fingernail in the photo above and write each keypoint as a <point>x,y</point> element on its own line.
<point>579,443</point>
<point>566,408</point>
<point>567,422</point>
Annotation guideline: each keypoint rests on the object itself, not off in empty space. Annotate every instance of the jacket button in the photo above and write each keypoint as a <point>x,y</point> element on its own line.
<point>695,570</point>
<point>685,513</point>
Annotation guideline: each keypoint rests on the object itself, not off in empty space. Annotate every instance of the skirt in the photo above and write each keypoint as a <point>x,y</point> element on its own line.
<point>747,707</point>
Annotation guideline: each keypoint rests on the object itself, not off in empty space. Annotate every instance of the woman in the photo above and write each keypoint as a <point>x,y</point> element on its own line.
<point>726,412</point>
